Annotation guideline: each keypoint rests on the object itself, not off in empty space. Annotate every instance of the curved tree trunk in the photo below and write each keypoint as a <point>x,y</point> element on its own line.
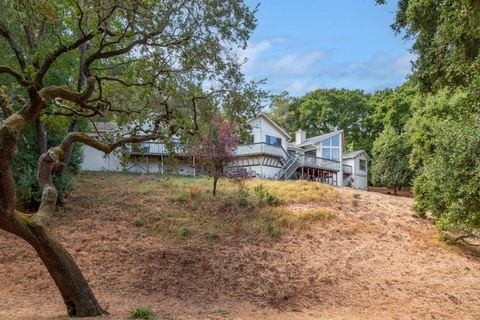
<point>74,288</point>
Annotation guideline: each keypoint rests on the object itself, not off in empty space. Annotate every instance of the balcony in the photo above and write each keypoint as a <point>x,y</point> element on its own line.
<point>321,163</point>
<point>260,149</point>
<point>155,148</point>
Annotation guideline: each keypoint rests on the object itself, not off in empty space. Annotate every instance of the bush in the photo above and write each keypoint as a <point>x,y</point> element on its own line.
<point>142,313</point>
<point>184,232</point>
<point>390,166</point>
<point>264,196</point>
<point>273,230</point>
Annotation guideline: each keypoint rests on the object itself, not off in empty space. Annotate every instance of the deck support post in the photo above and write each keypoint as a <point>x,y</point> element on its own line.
<point>161,164</point>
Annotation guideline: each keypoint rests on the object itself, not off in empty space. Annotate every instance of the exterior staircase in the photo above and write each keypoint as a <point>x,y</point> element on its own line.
<point>290,166</point>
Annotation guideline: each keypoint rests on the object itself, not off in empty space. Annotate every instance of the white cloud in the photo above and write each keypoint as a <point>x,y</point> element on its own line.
<point>273,58</point>
<point>381,66</point>
<point>301,86</point>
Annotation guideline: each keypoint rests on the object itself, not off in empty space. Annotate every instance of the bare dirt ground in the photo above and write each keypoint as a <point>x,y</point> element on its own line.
<point>372,260</point>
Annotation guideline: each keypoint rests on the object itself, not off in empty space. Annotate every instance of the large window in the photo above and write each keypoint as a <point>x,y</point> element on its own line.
<point>363,164</point>
<point>331,148</point>
<point>274,140</point>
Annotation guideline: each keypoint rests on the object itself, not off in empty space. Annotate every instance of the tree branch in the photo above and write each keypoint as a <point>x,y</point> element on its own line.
<point>13,44</point>
<point>18,76</point>
<point>63,92</point>
<point>52,161</point>
<point>57,53</point>
<point>6,106</point>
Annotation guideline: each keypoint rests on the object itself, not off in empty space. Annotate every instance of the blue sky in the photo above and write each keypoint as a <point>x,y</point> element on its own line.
<point>302,45</point>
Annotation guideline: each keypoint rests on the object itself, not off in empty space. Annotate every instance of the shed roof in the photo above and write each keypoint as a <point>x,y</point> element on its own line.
<point>354,154</point>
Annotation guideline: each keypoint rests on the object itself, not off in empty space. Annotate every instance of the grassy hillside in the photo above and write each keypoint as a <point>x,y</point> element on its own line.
<point>285,250</point>
<point>184,209</point>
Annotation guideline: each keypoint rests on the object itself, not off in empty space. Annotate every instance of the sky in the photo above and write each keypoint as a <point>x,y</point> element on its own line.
<point>302,45</point>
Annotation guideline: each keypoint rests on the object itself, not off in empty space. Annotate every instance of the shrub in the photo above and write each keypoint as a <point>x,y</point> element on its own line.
<point>264,196</point>
<point>184,232</point>
<point>273,230</point>
<point>142,313</point>
<point>138,222</point>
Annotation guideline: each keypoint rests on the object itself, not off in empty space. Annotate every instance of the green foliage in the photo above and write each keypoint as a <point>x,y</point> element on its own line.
<point>273,231</point>
<point>446,40</point>
<point>390,167</point>
<point>266,197</point>
<point>138,222</point>
<point>446,135</point>
<point>184,232</point>
<point>325,110</point>
<point>392,107</point>
<point>24,166</point>
<point>142,313</point>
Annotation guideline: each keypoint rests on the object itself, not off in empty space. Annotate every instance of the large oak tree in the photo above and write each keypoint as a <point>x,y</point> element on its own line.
<point>145,63</point>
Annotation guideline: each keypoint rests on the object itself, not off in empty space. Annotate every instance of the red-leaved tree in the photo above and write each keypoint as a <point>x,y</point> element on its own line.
<point>216,149</point>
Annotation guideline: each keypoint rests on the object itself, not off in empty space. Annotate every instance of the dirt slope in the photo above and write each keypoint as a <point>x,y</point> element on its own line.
<point>372,260</point>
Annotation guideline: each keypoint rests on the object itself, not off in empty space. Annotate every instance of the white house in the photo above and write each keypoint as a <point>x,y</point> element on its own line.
<point>270,154</point>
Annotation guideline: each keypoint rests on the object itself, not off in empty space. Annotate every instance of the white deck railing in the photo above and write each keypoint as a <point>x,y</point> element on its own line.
<point>155,148</point>
<point>321,163</point>
<point>260,148</point>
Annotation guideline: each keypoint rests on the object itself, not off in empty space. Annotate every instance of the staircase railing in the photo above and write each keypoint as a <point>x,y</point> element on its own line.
<point>289,168</point>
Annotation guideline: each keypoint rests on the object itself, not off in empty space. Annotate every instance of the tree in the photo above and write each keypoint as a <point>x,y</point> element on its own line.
<point>282,112</point>
<point>444,123</point>
<point>390,167</point>
<point>445,136</point>
<point>392,107</point>
<point>216,148</point>
<point>143,64</point>
<point>325,110</point>
<point>446,40</point>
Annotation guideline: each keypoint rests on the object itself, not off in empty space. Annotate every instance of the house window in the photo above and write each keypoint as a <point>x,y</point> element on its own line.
<point>331,148</point>
<point>363,164</point>
<point>335,141</point>
<point>335,153</point>
<point>326,153</point>
<point>274,140</point>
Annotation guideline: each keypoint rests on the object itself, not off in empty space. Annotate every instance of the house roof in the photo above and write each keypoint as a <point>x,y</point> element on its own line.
<point>317,139</point>
<point>353,154</point>
<point>293,146</point>
<point>273,123</point>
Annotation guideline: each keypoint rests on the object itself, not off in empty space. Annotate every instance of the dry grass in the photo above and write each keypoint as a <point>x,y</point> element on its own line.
<point>361,227</point>
<point>167,244</point>
<point>301,191</point>
<point>184,209</point>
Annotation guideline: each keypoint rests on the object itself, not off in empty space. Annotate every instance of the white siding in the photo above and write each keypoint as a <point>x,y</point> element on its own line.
<point>262,127</point>
<point>359,178</point>
<point>263,172</point>
<point>94,160</point>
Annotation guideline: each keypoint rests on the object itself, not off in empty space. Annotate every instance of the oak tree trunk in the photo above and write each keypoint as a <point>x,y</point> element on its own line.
<point>74,288</point>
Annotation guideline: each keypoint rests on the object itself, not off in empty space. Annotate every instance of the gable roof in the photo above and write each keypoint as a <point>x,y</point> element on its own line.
<point>353,154</point>
<point>317,139</point>
<point>273,123</point>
